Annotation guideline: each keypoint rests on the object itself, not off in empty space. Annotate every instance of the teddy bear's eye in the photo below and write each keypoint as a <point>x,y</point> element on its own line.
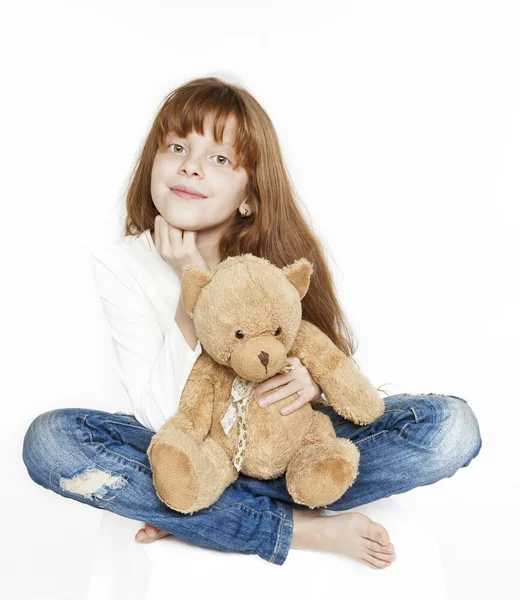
<point>278,331</point>
<point>239,334</point>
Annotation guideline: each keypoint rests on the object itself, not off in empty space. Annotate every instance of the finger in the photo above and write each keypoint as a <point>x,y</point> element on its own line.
<point>163,235</point>
<point>294,360</point>
<point>273,382</point>
<point>188,241</point>
<point>284,392</point>
<point>174,235</point>
<point>159,236</point>
<point>268,385</point>
<point>191,250</point>
<point>167,237</point>
<point>156,229</point>
<point>294,406</point>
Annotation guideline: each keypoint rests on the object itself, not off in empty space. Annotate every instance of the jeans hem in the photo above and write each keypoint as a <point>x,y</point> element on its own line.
<point>284,536</point>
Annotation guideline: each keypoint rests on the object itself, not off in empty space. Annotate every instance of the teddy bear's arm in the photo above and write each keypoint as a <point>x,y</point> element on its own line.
<point>195,411</point>
<point>348,391</point>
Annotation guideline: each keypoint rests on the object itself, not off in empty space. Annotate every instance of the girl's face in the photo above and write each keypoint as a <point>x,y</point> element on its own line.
<point>198,162</point>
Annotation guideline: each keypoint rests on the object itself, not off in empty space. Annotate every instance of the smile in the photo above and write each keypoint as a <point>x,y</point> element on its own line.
<point>187,196</point>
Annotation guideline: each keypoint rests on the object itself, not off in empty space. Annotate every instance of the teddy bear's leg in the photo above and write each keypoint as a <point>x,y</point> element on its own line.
<point>324,466</point>
<point>187,475</point>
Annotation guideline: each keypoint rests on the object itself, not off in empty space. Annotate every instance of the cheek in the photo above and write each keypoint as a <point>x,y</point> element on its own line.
<point>158,170</point>
<point>158,184</point>
<point>230,188</point>
<point>227,201</point>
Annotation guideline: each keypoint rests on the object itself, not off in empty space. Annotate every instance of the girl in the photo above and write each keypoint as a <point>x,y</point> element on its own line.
<point>210,183</point>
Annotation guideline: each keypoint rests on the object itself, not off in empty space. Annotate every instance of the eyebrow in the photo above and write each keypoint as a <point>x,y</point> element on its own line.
<point>225,146</point>
<point>230,146</point>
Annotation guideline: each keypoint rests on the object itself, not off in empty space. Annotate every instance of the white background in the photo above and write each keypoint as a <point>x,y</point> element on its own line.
<point>400,125</point>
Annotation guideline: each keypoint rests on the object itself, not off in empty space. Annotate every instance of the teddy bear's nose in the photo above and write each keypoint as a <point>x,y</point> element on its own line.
<point>264,358</point>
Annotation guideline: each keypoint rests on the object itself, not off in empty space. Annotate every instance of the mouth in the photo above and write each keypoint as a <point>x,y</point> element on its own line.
<point>188,195</point>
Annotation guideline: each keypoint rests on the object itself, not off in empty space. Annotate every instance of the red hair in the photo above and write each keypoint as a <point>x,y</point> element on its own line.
<point>276,228</point>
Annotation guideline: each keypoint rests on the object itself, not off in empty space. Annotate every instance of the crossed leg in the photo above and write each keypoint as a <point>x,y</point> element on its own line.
<point>204,469</point>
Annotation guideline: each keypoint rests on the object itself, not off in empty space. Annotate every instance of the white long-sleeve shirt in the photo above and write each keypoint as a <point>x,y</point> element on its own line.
<point>140,292</point>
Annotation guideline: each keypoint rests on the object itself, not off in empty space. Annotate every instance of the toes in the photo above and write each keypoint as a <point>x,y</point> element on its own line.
<point>378,533</point>
<point>369,564</point>
<point>381,535</point>
<point>375,562</point>
<point>381,556</point>
<point>140,536</point>
<point>151,531</point>
<point>376,546</point>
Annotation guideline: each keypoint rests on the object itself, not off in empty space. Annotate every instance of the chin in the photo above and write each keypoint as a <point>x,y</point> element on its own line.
<point>189,223</point>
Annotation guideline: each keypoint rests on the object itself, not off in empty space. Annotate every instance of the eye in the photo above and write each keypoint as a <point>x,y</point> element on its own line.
<point>278,331</point>
<point>178,146</point>
<point>239,334</point>
<point>218,155</point>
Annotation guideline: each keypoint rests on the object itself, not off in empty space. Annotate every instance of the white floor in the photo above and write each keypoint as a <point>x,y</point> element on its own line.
<point>454,539</point>
<point>124,570</point>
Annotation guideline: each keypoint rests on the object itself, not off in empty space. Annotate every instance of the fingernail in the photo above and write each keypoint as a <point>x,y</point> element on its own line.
<point>261,403</point>
<point>140,538</point>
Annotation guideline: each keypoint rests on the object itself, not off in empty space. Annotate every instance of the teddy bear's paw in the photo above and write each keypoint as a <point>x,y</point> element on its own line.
<point>174,477</point>
<point>320,474</point>
<point>366,408</point>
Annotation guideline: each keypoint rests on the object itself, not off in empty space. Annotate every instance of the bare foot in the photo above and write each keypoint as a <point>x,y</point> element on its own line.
<point>353,534</point>
<point>149,534</point>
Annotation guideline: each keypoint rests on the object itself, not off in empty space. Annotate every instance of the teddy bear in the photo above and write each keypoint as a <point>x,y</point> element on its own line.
<point>248,317</point>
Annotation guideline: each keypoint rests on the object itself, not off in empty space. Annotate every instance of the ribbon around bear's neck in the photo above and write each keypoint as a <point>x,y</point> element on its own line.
<point>241,394</point>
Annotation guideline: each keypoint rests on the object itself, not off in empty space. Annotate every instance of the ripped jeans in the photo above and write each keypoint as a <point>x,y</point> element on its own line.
<point>99,458</point>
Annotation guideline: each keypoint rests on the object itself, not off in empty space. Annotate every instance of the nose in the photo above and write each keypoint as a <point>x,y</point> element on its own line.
<point>191,166</point>
<point>264,358</point>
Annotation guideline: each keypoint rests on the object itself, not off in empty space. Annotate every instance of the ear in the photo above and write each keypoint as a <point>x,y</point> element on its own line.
<point>192,283</point>
<point>299,274</point>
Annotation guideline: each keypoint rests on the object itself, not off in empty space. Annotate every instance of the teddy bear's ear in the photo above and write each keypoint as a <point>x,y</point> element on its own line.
<point>299,274</point>
<point>192,282</point>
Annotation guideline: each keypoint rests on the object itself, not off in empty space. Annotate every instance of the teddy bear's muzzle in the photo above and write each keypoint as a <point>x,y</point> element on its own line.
<point>258,358</point>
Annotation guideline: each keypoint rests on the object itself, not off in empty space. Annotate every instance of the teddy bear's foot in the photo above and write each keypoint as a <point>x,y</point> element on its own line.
<point>320,474</point>
<point>174,477</point>
<point>189,476</point>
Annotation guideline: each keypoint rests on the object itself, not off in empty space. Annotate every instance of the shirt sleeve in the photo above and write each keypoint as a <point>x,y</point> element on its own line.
<point>152,366</point>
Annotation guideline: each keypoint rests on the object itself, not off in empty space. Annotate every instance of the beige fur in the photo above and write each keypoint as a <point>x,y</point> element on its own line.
<point>191,456</point>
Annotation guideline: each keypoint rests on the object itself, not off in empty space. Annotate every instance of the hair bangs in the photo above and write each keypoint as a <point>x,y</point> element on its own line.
<point>186,110</point>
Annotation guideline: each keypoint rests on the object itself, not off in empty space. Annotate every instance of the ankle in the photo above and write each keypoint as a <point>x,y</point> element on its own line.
<point>306,530</point>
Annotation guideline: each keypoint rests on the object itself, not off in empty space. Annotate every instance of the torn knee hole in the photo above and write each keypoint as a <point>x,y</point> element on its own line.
<point>93,483</point>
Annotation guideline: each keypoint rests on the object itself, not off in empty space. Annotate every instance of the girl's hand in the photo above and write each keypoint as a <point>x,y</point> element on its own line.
<point>299,380</point>
<point>177,247</point>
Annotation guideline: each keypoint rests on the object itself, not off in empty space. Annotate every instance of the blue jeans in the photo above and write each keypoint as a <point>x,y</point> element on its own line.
<point>419,440</point>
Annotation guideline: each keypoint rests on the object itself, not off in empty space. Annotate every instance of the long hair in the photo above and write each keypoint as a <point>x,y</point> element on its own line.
<point>276,228</point>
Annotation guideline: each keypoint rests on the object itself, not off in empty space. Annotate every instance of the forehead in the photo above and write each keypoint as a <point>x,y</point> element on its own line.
<point>228,136</point>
